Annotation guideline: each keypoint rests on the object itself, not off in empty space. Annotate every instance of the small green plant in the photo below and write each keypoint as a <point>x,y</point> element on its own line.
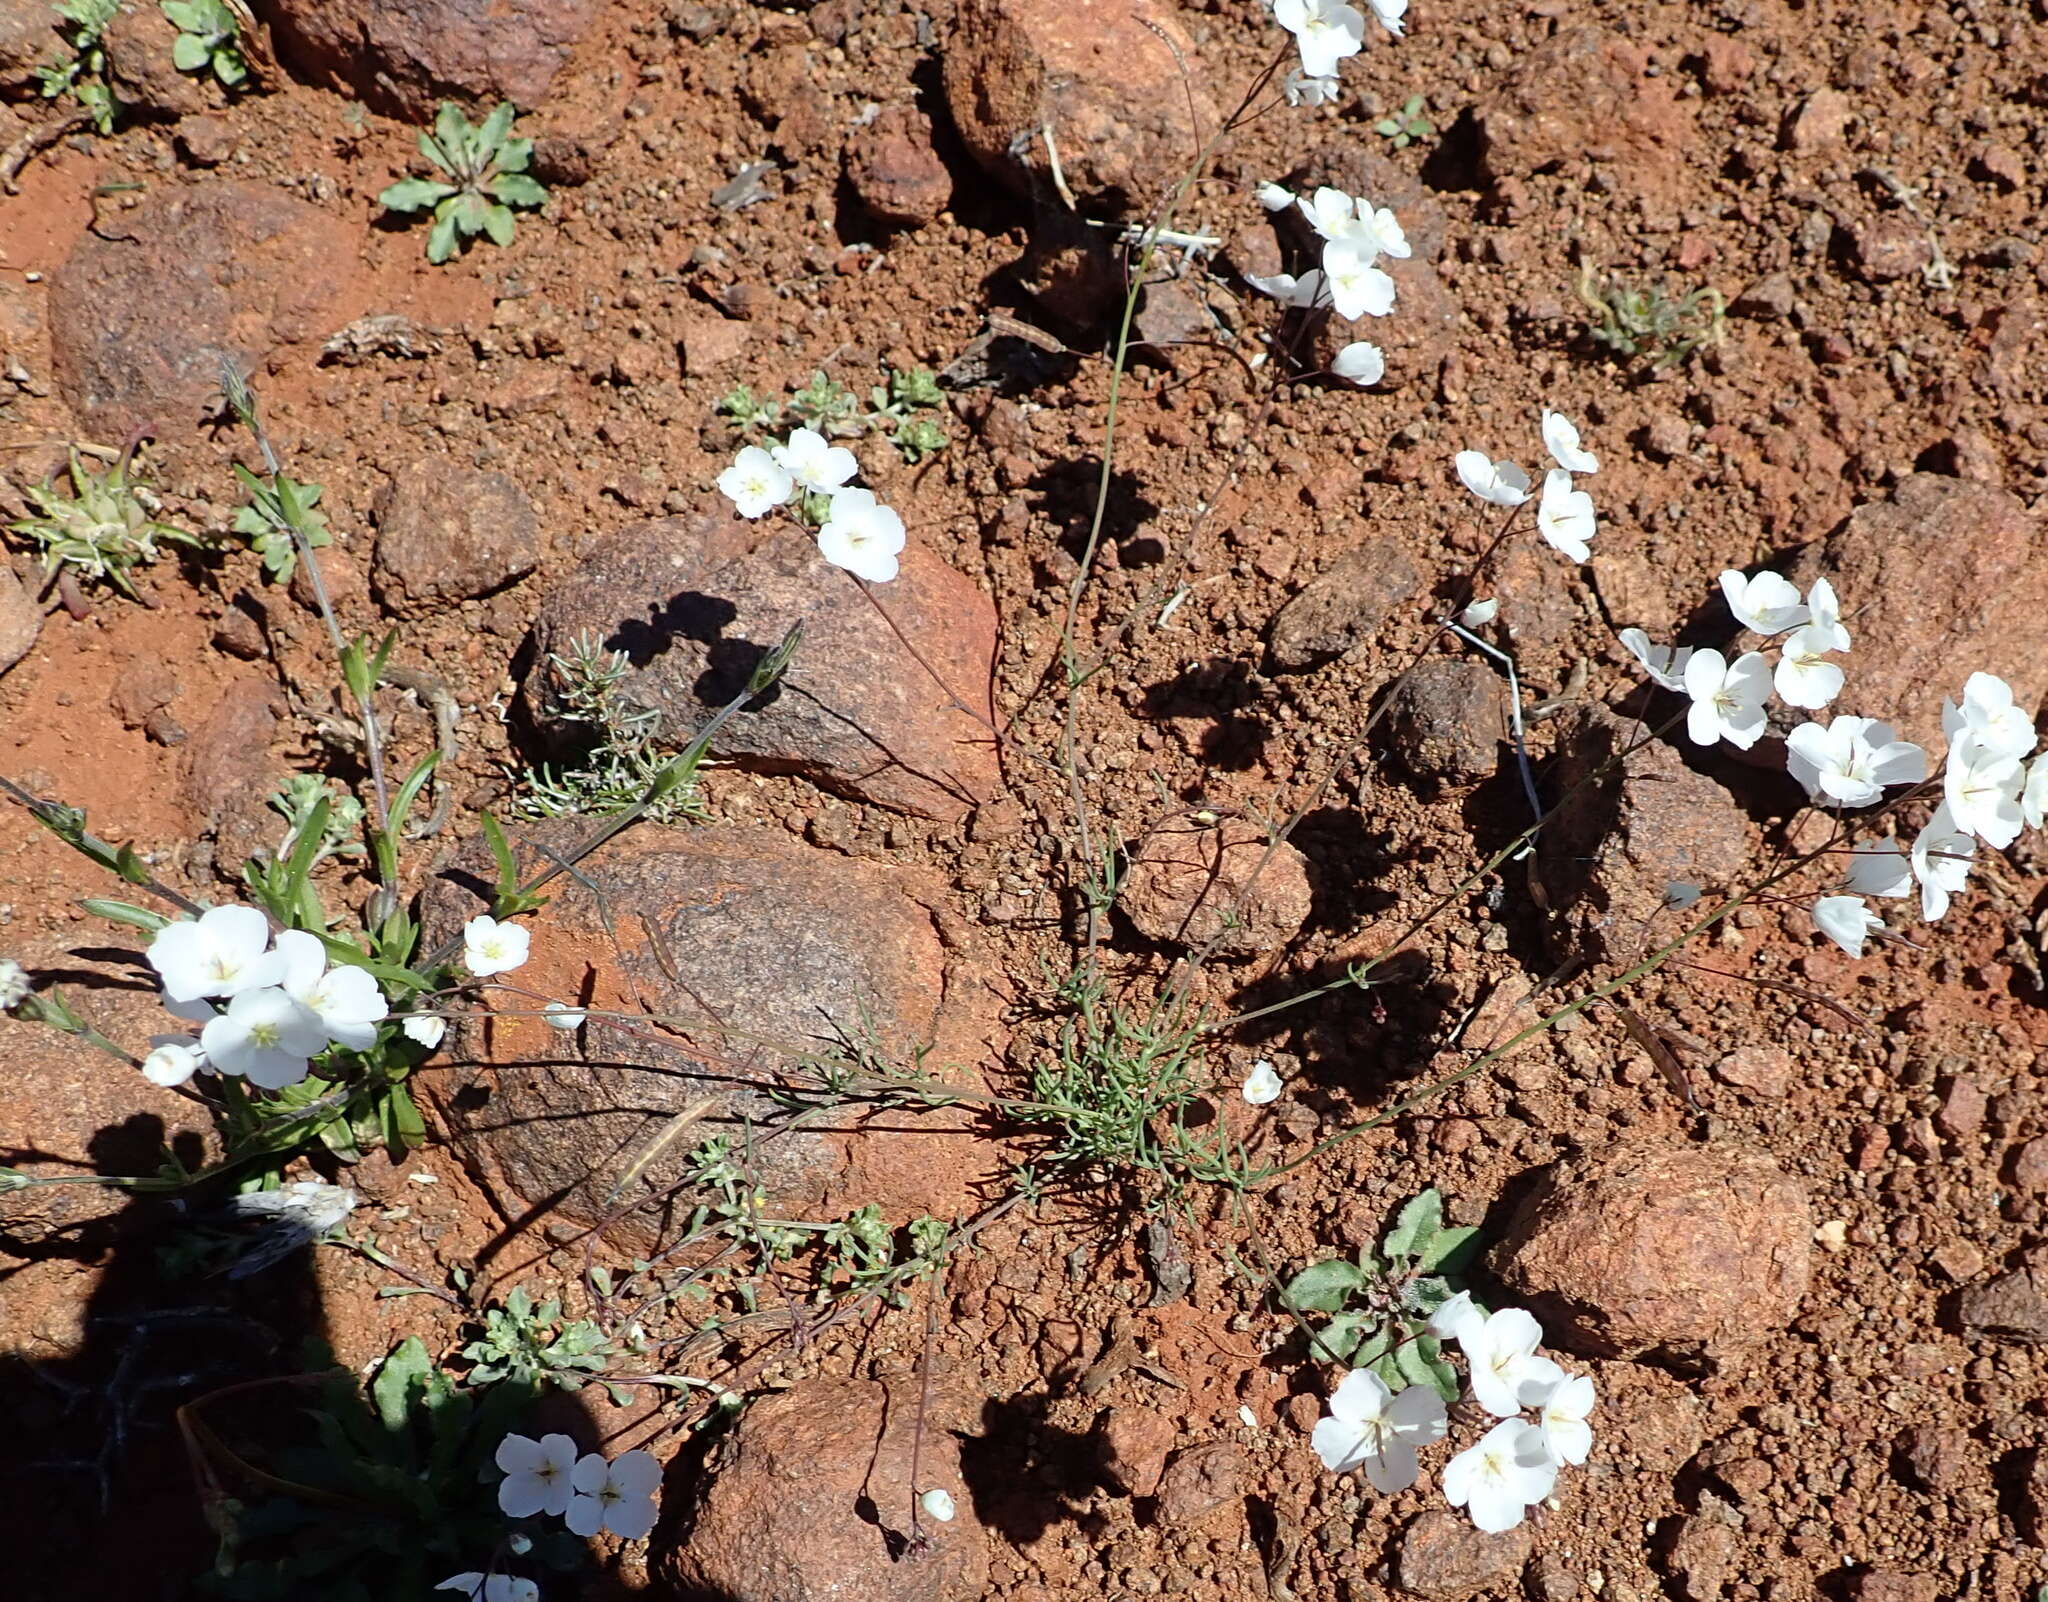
<point>825,405</point>
<point>359,1499</point>
<point>486,177</point>
<point>623,754</point>
<point>209,38</point>
<point>1646,321</point>
<point>1378,1306</point>
<point>1406,126</point>
<point>532,1345</point>
<point>268,530</point>
<point>103,530</point>
<point>82,73</point>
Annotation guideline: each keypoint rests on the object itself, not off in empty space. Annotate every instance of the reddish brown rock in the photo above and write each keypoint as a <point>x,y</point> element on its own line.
<point>1342,607</point>
<point>1761,1070</point>
<point>1889,247</point>
<point>1443,1557</point>
<point>143,312</point>
<point>755,951</point>
<point>1946,575</point>
<point>1447,720</point>
<point>28,39</point>
<point>1937,1457</point>
<point>447,534</point>
<point>21,620</point>
<point>1701,1557</point>
<point>227,771</point>
<point>138,41</point>
<point>1648,1247</point>
<point>895,171</point>
<point>403,57</point>
<point>1627,833</point>
<point>1821,123</point>
<point>1187,885</point>
<point>1106,76</point>
<point>1616,113</point>
<point>1199,1480</point>
<point>695,602</point>
<point>1131,1444</point>
<point>808,1500</point>
<point>1894,1585</point>
<point>2012,1307</point>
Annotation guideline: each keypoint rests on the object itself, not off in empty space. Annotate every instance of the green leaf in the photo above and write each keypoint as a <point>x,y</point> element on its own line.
<point>400,1378</point>
<point>1415,1227</point>
<point>453,134</point>
<point>414,194</point>
<point>441,242</point>
<point>1413,1359</point>
<point>1323,1287</point>
<point>501,853</point>
<point>496,126</point>
<point>190,53</point>
<point>1340,1337</point>
<point>498,224</point>
<point>228,67</point>
<point>516,189</point>
<point>1450,1251</point>
<point>125,912</point>
<point>513,155</point>
<point>470,211</point>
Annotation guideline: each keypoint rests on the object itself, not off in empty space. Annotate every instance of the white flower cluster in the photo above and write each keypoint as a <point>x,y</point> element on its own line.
<point>859,533</point>
<point>1990,788</point>
<point>586,1492</point>
<point>1355,234</point>
<point>1564,514</point>
<point>1327,32</point>
<point>285,1005</point>
<point>1514,1465</point>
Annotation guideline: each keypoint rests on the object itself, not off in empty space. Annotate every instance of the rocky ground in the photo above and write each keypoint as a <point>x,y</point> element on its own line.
<point>1810,1275</point>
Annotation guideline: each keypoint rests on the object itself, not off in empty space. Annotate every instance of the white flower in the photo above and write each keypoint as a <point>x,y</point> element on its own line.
<point>1451,1316</point>
<point>1983,790</point>
<point>1357,287</point>
<point>1289,290</point>
<point>756,483</point>
<point>306,1207</point>
<point>1336,215</point>
<point>1879,868</point>
<point>1941,862</point>
<point>862,536</point>
<point>1850,760</point>
<point>14,984</point>
<point>1497,483</point>
<point>536,1475</point>
<point>1500,1348</point>
<point>344,998</point>
<point>1388,13</point>
<point>2002,729</point>
<point>1325,31</point>
<point>1564,516</point>
<point>491,1587</point>
<point>1361,363</point>
<point>264,1036</point>
<point>1497,1479</point>
<point>425,1029</point>
<point>172,1060</point>
<point>1561,439</point>
<point>1371,1428</point>
<point>221,953</point>
<point>1803,679</point>
<point>617,1496</point>
<point>560,1015</point>
<point>1846,921</point>
<point>1766,603</point>
<point>2034,798</point>
<point>490,947</point>
<point>1561,1414</point>
<point>1262,1084</point>
<point>1825,614</point>
<point>1306,89</point>
<point>1664,663</point>
<point>813,463</point>
<point>937,1503</point>
<point>1275,197</point>
<point>1480,613</point>
<point>1727,698</point>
